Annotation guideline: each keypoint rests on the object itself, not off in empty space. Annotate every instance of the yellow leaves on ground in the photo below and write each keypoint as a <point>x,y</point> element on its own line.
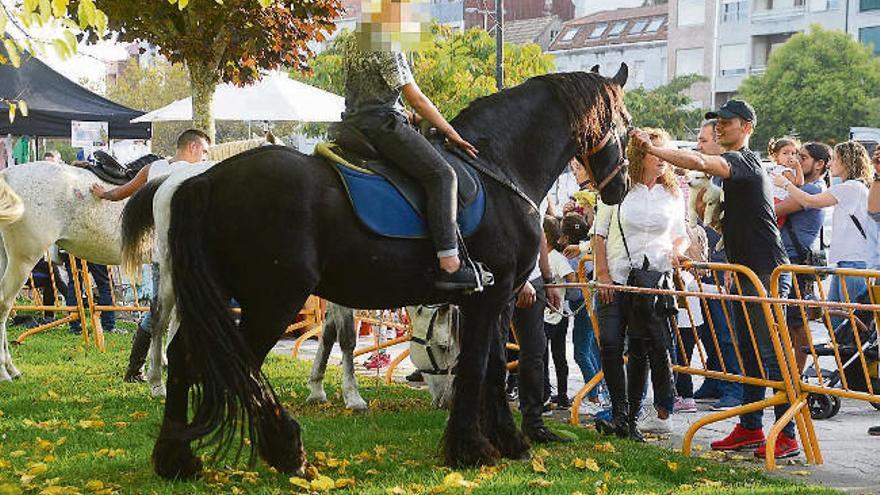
<point>456,480</point>
<point>321,483</point>
<point>87,424</point>
<point>17,453</point>
<point>605,447</point>
<point>672,466</point>
<point>588,463</point>
<point>538,464</point>
<point>138,415</point>
<point>110,453</point>
<point>4,464</point>
<point>9,489</point>
<point>52,424</point>
<point>34,469</point>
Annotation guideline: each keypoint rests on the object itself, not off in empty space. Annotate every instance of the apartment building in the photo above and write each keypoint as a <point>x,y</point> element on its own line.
<point>637,36</point>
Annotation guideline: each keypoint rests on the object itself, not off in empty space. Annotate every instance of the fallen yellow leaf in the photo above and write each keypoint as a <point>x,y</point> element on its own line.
<point>323,484</point>
<point>588,463</point>
<point>672,466</point>
<point>345,482</point>
<point>801,473</point>
<point>17,453</point>
<point>95,485</point>
<point>9,489</point>
<point>396,490</point>
<point>538,465</point>
<point>4,464</point>
<point>300,482</point>
<point>605,447</point>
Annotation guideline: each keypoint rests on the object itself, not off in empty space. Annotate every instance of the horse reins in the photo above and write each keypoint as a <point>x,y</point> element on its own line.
<point>584,158</point>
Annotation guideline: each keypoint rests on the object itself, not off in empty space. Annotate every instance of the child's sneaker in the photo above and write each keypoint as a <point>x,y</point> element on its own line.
<point>378,361</point>
<point>684,405</point>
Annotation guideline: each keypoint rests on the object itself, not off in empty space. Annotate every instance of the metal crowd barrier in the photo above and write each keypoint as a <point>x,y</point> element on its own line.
<point>786,390</point>
<point>75,312</point>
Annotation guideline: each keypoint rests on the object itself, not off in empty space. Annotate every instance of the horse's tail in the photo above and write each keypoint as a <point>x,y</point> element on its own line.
<point>11,205</point>
<point>137,228</point>
<point>231,395</point>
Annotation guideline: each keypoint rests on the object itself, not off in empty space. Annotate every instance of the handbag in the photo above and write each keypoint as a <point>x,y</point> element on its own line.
<point>646,307</point>
<point>808,257</point>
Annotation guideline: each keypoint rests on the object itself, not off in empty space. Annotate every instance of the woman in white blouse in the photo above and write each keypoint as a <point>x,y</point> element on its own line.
<point>853,233</point>
<point>652,220</point>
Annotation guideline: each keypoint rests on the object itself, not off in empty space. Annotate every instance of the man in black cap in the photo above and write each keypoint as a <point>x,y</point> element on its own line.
<point>752,239</point>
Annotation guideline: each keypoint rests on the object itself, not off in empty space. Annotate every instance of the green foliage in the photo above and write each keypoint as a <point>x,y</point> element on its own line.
<point>224,41</point>
<point>819,83</point>
<point>149,88</point>
<point>666,107</point>
<point>453,70</point>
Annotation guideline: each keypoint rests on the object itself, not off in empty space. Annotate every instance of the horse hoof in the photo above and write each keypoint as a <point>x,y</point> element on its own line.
<point>175,461</point>
<point>466,453</point>
<point>158,391</point>
<point>316,399</point>
<point>357,404</point>
<point>513,445</point>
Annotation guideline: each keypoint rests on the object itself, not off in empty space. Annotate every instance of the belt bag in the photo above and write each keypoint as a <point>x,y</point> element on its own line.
<point>645,307</point>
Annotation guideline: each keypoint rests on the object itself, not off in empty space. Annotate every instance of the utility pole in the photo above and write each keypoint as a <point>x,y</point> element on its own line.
<point>499,44</point>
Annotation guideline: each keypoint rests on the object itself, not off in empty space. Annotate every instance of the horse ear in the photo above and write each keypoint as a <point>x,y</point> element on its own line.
<point>595,69</point>
<point>622,75</point>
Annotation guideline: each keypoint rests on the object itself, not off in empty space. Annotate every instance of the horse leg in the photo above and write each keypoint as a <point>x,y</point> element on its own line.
<point>17,269</point>
<point>497,420</point>
<point>164,318</point>
<point>280,442</point>
<point>463,443</point>
<point>347,340</point>
<point>173,457</point>
<point>319,365</point>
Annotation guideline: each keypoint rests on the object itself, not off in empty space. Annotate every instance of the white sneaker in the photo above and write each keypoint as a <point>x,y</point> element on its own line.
<point>589,408</point>
<point>653,424</point>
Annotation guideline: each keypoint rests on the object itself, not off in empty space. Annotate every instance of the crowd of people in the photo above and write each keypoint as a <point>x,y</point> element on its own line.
<point>773,214</point>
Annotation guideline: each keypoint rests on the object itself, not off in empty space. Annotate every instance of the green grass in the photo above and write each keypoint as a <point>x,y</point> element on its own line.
<point>76,394</point>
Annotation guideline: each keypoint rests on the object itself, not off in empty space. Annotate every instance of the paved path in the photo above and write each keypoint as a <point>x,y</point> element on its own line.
<point>852,458</point>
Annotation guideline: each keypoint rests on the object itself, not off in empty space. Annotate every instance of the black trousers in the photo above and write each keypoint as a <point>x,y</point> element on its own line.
<point>529,324</point>
<point>643,352</point>
<point>556,338</point>
<point>393,136</point>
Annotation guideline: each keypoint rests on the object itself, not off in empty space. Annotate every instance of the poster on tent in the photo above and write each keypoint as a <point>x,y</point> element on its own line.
<point>89,135</point>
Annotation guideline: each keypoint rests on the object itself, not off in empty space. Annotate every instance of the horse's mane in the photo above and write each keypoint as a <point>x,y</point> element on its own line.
<point>591,102</point>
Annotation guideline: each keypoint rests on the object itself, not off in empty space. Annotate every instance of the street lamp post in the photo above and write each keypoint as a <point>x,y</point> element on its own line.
<point>499,44</point>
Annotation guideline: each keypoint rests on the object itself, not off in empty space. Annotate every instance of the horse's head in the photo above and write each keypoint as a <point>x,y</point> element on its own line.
<point>434,348</point>
<point>603,137</point>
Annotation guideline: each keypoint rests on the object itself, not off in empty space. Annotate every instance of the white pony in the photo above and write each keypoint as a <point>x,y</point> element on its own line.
<point>45,203</point>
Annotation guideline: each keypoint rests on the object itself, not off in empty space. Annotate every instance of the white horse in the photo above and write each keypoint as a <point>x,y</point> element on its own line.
<point>433,349</point>
<point>41,204</point>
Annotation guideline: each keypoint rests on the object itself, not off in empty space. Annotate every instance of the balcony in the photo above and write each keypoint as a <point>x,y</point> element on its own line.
<point>779,14</point>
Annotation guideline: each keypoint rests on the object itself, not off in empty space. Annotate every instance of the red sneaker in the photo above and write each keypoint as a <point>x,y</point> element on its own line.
<point>740,438</point>
<point>786,447</point>
<point>378,361</point>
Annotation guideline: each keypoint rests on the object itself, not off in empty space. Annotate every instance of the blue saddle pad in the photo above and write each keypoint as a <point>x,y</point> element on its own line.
<point>381,207</point>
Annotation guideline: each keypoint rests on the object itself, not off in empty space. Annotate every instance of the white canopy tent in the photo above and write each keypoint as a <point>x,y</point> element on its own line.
<point>276,97</point>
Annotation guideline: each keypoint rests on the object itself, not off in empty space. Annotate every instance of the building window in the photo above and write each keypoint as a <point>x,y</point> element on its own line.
<point>638,26</point>
<point>569,35</point>
<point>733,59</point>
<point>617,28</point>
<point>734,11</point>
<point>656,23</point>
<point>688,61</point>
<point>869,5</point>
<point>691,12</point>
<point>871,36</point>
<point>598,30</point>
<point>638,73</point>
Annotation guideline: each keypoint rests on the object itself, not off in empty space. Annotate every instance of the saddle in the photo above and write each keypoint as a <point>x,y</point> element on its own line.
<point>387,200</point>
<point>110,170</point>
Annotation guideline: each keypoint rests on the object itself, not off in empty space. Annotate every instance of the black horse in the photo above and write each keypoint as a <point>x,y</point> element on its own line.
<point>271,226</point>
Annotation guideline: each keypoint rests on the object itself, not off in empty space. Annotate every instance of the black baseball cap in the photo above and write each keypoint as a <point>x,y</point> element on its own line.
<point>735,108</point>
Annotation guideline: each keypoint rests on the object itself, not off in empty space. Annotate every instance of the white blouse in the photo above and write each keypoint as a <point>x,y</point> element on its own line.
<point>652,219</point>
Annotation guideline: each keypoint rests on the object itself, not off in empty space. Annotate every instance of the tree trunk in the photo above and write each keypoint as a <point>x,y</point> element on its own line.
<point>203,80</point>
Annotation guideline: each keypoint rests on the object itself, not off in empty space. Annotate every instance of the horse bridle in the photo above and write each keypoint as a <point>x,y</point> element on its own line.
<point>584,159</point>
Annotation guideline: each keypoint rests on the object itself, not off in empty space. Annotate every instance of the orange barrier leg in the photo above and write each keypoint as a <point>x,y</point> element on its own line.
<point>96,320</point>
<point>582,394</point>
<point>316,331</point>
<point>47,326</point>
<point>389,374</point>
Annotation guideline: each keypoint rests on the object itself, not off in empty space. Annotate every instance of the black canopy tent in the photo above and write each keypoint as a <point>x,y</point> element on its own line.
<point>53,101</point>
